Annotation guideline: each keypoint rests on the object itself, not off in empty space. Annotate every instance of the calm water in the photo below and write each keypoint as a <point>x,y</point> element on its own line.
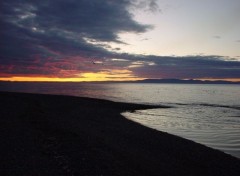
<point>207,114</point>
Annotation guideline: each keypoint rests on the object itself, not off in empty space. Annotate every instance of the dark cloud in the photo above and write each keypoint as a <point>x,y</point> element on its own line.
<point>149,5</point>
<point>189,67</point>
<point>144,39</point>
<point>217,37</point>
<point>96,19</point>
<point>53,30</point>
<point>117,49</point>
<point>153,6</point>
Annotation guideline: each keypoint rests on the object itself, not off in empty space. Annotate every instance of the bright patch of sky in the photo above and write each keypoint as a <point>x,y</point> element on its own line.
<point>187,27</point>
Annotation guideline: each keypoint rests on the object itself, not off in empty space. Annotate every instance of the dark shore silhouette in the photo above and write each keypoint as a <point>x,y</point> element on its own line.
<point>64,135</point>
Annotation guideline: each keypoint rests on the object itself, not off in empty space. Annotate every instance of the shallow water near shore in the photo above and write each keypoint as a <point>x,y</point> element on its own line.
<point>207,114</point>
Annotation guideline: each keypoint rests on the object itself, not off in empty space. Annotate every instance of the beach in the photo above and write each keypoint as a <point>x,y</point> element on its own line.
<point>66,135</point>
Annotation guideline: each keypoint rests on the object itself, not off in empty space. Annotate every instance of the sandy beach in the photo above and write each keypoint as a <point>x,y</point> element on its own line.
<point>64,135</point>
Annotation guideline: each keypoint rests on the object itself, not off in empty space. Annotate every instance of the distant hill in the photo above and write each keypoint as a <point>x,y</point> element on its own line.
<point>160,81</point>
<point>179,81</point>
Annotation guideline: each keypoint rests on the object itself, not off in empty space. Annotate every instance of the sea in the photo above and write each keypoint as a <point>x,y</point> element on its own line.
<point>206,114</point>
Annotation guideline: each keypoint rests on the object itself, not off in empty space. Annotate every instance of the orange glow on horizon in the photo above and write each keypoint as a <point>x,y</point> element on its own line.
<point>114,75</point>
<point>106,75</point>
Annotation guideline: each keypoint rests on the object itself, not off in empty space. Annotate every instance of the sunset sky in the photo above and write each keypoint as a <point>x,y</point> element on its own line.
<point>101,40</point>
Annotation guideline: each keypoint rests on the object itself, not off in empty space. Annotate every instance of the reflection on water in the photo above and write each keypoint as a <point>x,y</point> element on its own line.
<point>224,95</point>
<point>213,126</point>
<point>208,114</point>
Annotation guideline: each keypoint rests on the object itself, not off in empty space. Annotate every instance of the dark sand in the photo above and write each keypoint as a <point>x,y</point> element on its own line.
<point>63,135</point>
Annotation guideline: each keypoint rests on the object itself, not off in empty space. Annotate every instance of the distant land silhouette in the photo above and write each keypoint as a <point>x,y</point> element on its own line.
<point>162,81</point>
<point>175,81</point>
<point>180,81</point>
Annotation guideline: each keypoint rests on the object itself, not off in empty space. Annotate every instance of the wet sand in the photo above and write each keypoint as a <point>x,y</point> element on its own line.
<point>64,135</point>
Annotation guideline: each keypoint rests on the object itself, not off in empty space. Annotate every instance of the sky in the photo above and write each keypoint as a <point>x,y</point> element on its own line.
<point>106,40</point>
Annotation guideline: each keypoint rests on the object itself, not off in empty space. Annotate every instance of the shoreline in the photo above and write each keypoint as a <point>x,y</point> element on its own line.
<point>65,135</point>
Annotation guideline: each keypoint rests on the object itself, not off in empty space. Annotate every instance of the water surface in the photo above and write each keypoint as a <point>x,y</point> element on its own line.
<point>207,114</point>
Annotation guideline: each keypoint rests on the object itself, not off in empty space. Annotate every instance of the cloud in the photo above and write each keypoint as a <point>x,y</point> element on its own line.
<point>153,6</point>
<point>119,60</point>
<point>144,39</point>
<point>149,5</point>
<point>52,30</point>
<point>217,37</point>
<point>189,67</point>
<point>56,38</point>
